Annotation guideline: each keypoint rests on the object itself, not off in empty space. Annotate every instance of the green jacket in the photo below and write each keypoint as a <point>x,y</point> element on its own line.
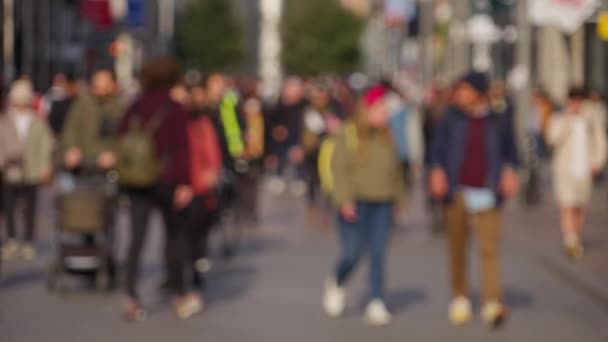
<point>370,172</point>
<point>92,127</point>
<point>34,153</point>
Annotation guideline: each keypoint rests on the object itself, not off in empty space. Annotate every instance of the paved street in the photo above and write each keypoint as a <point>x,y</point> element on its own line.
<point>272,291</point>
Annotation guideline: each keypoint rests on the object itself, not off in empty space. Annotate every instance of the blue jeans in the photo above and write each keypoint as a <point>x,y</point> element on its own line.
<point>370,231</point>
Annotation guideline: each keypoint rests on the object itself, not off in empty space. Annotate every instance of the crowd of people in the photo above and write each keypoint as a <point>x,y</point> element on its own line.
<point>195,148</point>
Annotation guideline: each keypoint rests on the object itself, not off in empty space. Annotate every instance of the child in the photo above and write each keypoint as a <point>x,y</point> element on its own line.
<point>579,142</point>
<point>368,185</point>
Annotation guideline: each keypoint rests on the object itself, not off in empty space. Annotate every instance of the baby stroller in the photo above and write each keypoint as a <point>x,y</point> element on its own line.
<point>85,209</point>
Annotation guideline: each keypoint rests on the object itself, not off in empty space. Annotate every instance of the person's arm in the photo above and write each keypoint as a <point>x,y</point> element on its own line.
<point>510,157</point>
<point>438,181</point>
<point>416,139</point>
<point>557,130</point>
<point>212,152</point>
<point>400,185</point>
<point>46,151</point>
<point>439,140</point>
<point>71,132</point>
<point>341,170</point>
<point>179,146</point>
<point>600,144</point>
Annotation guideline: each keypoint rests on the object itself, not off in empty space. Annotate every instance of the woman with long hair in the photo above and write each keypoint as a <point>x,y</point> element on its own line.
<point>368,185</point>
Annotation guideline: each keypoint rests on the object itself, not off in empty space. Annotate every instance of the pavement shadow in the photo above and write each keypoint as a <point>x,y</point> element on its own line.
<point>253,247</point>
<point>229,282</point>
<point>404,299</point>
<point>400,300</point>
<point>593,244</point>
<point>515,299</point>
<point>14,280</point>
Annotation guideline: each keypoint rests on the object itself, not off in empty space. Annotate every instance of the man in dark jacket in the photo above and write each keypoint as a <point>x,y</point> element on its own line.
<point>472,170</point>
<point>284,128</point>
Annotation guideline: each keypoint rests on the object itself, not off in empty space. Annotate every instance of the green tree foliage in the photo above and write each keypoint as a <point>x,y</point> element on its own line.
<point>210,37</point>
<point>320,36</point>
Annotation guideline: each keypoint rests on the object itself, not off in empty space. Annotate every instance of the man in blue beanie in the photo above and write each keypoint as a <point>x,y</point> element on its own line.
<point>473,158</point>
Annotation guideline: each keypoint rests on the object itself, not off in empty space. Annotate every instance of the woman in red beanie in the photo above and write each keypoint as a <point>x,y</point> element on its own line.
<point>368,185</point>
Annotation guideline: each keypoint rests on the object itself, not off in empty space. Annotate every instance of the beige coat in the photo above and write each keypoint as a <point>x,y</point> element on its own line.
<point>34,153</point>
<point>571,190</point>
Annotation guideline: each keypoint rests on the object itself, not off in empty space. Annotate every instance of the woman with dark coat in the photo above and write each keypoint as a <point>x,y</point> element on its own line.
<point>172,192</point>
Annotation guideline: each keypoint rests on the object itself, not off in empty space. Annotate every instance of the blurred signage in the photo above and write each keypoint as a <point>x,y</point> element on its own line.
<point>602,25</point>
<point>136,13</point>
<point>567,15</point>
<point>98,13</point>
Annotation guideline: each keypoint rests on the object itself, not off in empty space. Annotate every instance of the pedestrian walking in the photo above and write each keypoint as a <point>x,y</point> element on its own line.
<point>283,136</point>
<point>224,109</point>
<point>368,187</point>
<point>206,166</point>
<point>26,145</point>
<point>322,107</point>
<point>579,142</point>
<point>154,172</point>
<point>472,170</point>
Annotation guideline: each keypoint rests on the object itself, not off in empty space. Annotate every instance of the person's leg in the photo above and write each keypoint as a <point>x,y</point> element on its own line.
<point>568,223</point>
<point>140,210</point>
<point>30,198</point>
<point>176,249</point>
<point>456,221</point>
<point>379,229</point>
<point>312,180</point>
<point>352,243</point>
<point>11,193</point>
<point>199,225</point>
<point>580,218</point>
<point>488,229</point>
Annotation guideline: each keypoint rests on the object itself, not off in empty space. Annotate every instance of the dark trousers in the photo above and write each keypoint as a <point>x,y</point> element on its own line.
<point>313,179</point>
<point>370,231</point>
<point>142,204</point>
<point>247,195</point>
<point>29,195</point>
<point>201,218</point>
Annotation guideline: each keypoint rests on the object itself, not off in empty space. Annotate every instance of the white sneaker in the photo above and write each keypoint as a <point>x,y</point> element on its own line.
<point>298,188</point>
<point>10,250</point>
<point>461,311</point>
<point>377,314</point>
<point>493,313</point>
<point>276,186</point>
<point>334,300</point>
<point>28,252</point>
<point>191,306</point>
<point>203,265</point>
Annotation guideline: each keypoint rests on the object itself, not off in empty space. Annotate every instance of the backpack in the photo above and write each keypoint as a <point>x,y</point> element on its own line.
<point>138,163</point>
<point>326,154</point>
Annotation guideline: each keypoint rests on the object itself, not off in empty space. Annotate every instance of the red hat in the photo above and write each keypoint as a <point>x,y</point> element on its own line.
<point>373,95</point>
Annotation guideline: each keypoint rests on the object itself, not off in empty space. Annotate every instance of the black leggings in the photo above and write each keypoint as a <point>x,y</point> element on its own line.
<point>142,203</point>
<point>200,223</point>
<point>29,195</point>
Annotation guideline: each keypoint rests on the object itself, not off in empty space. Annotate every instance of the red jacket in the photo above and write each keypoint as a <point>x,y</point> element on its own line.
<point>205,154</point>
